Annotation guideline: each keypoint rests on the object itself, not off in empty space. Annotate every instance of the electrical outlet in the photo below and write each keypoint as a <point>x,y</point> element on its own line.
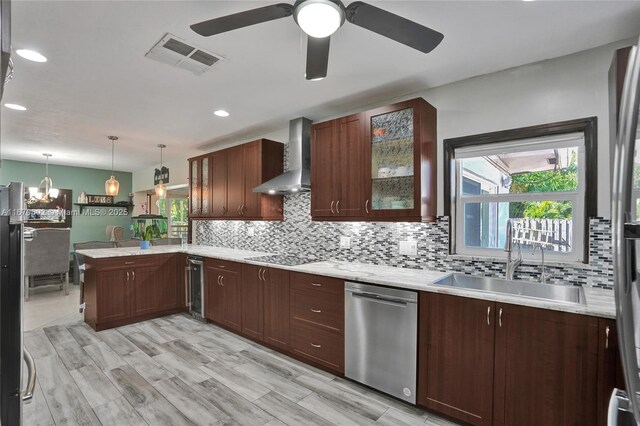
<point>251,231</point>
<point>409,248</point>
<point>345,242</point>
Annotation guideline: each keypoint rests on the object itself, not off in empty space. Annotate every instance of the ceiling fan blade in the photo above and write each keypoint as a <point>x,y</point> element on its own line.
<point>393,26</point>
<point>317,57</point>
<point>242,19</point>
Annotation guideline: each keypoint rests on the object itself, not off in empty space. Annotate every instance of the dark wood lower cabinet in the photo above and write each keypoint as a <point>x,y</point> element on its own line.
<point>252,301</point>
<point>223,293</point>
<point>125,290</point>
<point>610,372</point>
<point>265,305</point>
<point>276,307</point>
<point>317,320</point>
<point>145,291</point>
<point>456,357</point>
<point>491,363</point>
<point>111,297</point>
<point>545,367</point>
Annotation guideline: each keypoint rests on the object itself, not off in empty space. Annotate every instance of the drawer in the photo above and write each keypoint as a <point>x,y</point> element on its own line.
<point>223,265</point>
<point>318,345</point>
<point>316,283</point>
<point>129,261</point>
<point>322,308</point>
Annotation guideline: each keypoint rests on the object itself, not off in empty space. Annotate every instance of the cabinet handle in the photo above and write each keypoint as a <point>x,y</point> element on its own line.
<point>338,207</point>
<point>260,274</point>
<point>317,311</point>
<point>315,346</point>
<point>488,313</point>
<point>129,263</point>
<point>366,206</point>
<point>222,280</point>
<point>264,275</point>
<point>242,208</point>
<point>606,340</point>
<point>500,317</point>
<point>238,210</point>
<point>133,275</point>
<point>186,286</point>
<point>316,285</point>
<point>221,266</point>
<point>127,275</point>
<point>332,212</point>
<point>218,279</point>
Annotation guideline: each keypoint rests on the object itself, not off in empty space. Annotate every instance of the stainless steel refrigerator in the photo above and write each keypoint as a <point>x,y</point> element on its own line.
<point>12,351</point>
<point>624,407</point>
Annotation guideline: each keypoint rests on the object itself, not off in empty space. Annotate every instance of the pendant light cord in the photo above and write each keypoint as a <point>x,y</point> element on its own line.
<point>112,144</point>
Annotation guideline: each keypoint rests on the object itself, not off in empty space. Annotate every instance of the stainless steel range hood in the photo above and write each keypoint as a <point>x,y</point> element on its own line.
<point>298,177</point>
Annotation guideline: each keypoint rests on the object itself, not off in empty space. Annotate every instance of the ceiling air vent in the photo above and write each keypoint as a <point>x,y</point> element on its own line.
<point>174,51</point>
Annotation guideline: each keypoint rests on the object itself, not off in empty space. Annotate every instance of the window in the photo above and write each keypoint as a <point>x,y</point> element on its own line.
<point>538,183</point>
<point>176,210</point>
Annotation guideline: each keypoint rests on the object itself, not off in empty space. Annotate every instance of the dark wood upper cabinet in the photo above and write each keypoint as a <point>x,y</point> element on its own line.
<point>610,372</point>
<point>219,205</point>
<point>545,367</point>
<point>376,165</point>
<point>235,181</point>
<point>350,152</point>
<point>199,187</point>
<point>456,357</point>
<point>400,147</point>
<point>222,182</point>
<point>324,168</point>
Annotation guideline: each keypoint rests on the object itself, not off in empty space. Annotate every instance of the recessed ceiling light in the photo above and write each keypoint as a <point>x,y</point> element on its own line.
<point>221,113</point>
<point>31,55</point>
<point>16,107</point>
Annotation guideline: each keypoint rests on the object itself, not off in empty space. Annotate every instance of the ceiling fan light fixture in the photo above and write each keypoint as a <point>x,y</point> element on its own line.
<point>319,18</point>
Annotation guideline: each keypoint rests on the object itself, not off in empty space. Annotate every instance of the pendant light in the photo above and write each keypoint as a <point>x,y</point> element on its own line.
<point>111,185</point>
<point>161,188</point>
<point>45,191</point>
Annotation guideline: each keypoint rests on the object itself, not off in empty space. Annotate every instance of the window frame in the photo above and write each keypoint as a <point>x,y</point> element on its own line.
<point>586,195</point>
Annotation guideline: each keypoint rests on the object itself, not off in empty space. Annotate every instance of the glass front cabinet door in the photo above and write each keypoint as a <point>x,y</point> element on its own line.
<point>401,144</point>
<point>199,205</point>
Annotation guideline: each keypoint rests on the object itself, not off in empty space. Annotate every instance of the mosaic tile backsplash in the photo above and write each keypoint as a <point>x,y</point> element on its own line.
<point>377,243</point>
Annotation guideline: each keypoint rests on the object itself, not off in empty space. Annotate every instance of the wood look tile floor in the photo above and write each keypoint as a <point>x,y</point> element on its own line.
<point>177,371</point>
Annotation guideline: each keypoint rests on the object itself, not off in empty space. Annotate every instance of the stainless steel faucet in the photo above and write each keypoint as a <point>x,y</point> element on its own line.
<point>508,247</point>
<point>543,276</point>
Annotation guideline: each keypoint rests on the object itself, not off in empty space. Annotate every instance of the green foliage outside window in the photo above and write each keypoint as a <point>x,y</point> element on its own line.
<point>546,181</point>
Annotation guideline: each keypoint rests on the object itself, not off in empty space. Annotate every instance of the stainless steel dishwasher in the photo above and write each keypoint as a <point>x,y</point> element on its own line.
<point>381,338</point>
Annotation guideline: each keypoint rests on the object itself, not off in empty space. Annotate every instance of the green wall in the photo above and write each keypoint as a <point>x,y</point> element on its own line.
<point>77,179</point>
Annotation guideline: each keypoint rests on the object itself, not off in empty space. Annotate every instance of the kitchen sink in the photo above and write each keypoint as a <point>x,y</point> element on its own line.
<point>556,293</point>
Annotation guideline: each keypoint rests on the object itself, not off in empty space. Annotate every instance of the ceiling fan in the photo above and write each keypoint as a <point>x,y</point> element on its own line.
<point>321,18</point>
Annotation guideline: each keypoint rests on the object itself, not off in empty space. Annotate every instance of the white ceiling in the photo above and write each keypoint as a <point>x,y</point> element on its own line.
<point>97,81</point>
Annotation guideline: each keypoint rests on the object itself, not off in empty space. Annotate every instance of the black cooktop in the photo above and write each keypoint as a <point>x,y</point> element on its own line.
<point>283,259</point>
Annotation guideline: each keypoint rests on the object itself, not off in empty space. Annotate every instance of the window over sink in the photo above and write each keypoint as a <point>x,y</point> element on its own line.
<point>539,178</point>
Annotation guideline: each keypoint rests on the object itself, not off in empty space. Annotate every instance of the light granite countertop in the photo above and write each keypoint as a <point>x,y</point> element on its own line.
<point>598,302</point>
